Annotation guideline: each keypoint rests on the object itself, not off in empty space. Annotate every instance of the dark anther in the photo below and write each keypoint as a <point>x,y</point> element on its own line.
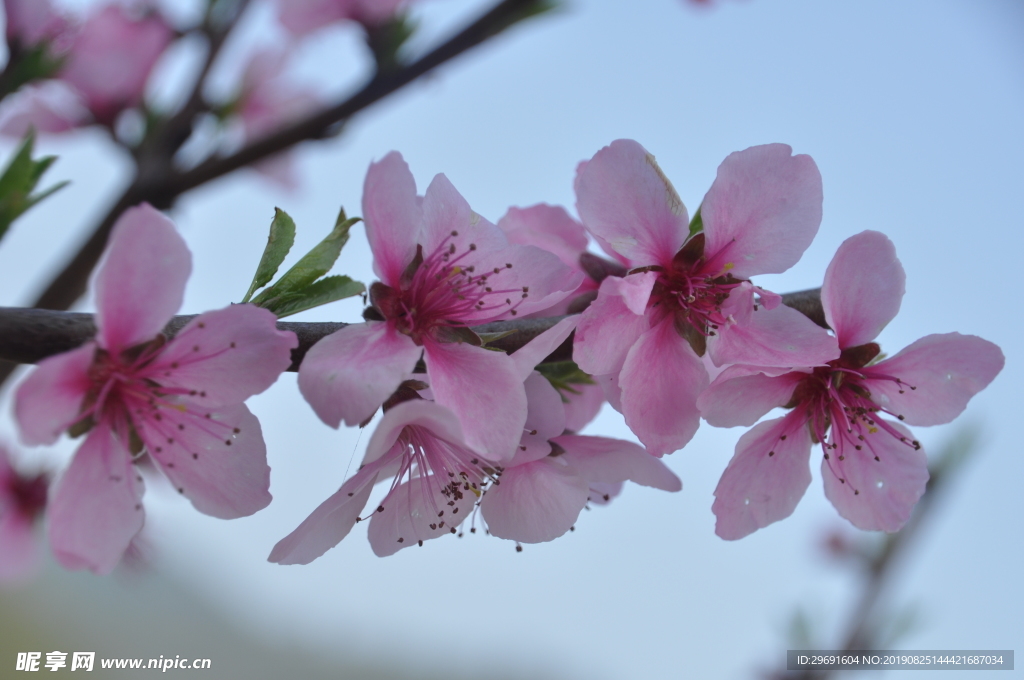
<point>380,508</point>
<point>401,540</point>
<point>771,453</point>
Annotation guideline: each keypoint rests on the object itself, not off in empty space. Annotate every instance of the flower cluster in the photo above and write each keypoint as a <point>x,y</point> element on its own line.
<point>672,330</point>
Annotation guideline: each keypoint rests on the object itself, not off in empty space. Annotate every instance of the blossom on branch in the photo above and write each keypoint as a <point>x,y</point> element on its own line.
<point>688,292</point>
<point>442,268</point>
<point>134,391</point>
<point>22,501</point>
<point>301,17</point>
<point>873,468</point>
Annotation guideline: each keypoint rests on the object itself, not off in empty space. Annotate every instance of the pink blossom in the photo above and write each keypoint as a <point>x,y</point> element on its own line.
<point>112,56</point>
<point>51,106</point>
<point>30,22</point>
<point>873,468</point>
<point>437,479</point>
<point>643,337</point>
<point>22,500</point>
<point>267,102</point>
<point>180,400</point>
<point>442,268</point>
<point>301,17</point>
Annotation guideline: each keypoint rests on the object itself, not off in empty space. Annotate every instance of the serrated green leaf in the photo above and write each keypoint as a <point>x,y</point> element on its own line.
<point>326,290</point>
<point>563,375</point>
<point>697,223</point>
<point>313,265</point>
<point>19,179</point>
<point>279,242</point>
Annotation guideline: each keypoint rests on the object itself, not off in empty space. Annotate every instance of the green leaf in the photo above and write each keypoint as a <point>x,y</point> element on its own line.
<point>323,291</point>
<point>697,223</point>
<point>563,375</point>
<point>282,236</point>
<point>19,180</point>
<point>313,265</point>
<point>26,64</point>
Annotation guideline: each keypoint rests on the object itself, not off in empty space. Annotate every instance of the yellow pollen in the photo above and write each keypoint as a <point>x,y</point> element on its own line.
<point>475,491</point>
<point>456,270</point>
<point>872,430</point>
<point>728,266</point>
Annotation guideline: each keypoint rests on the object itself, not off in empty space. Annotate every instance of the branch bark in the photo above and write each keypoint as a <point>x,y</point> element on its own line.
<point>30,335</point>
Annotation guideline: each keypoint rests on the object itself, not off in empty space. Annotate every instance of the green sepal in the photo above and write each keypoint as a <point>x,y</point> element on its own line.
<point>19,180</point>
<point>325,290</point>
<point>697,223</point>
<point>279,242</point>
<point>27,64</point>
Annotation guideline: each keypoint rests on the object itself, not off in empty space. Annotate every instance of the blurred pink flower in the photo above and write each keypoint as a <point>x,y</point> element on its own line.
<point>112,56</point>
<point>643,335</point>
<point>50,107</point>
<point>22,501</point>
<point>301,17</point>
<point>30,22</point>
<point>131,389</point>
<point>442,268</point>
<point>874,470</point>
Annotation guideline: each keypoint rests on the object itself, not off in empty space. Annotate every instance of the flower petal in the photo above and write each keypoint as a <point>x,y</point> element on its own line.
<point>484,390</point>
<point>863,288</point>
<point>660,381</point>
<point>409,512</point>
<point>229,355</point>
<point>612,323</point>
<point>548,227</point>
<point>583,406</point>
<point>780,337</point>
<point>348,375</point>
<point>535,502</point>
<point>945,371</point>
<point>626,202</point>
<point>766,477</point>
<point>19,556</point>
<point>762,211</point>
<point>96,506</point>
<point>392,215</point>
<point>740,395</point>
<point>50,398</point>
<point>217,462</point>
<point>601,460</point>
<point>141,281</point>
<point>876,495</point>
<point>329,523</point>
<point>545,418</point>
<point>535,351</point>
<point>440,421</point>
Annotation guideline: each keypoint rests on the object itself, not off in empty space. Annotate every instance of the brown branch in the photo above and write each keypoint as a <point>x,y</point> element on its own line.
<point>30,335</point>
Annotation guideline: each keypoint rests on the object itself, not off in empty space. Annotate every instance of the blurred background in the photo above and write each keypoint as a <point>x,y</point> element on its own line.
<point>914,113</point>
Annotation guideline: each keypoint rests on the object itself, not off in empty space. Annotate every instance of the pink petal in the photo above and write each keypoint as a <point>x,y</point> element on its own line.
<point>545,418</point>
<point>50,399</point>
<point>626,202</point>
<point>20,556</point>
<point>609,385</point>
<point>96,506</point>
<point>348,375</point>
<point>535,502</point>
<point>51,106</point>
<point>219,463</point>
<point>762,211</point>
<point>602,494</point>
<point>601,460</point>
<point>484,390</point>
<point>409,512</point>
<point>877,495</point>
<point>660,381</point>
<point>582,407</point>
<point>863,288</point>
<point>228,355</point>
<point>612,324</point>
<point>329,523</point>
<point>535,351</point>
<point>392,216</point>
<point>141,281</point>
<point>781,337</point>
<point>756,488</point>
<point>438,420</point>
<point>740,395</point>
<point>946,370</point>
<point>548,227</point>
<point>446,211</point>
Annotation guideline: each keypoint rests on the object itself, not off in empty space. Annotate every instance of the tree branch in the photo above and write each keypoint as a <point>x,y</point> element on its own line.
<point>30,335</point>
